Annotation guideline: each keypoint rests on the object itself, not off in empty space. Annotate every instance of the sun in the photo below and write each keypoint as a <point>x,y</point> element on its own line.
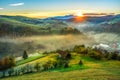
<point>79,17</point>
<point>79,14</point>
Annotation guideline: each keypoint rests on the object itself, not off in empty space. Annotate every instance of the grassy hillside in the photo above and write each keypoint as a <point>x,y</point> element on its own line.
<point>19,26</point>
<point>22,19</point>
<point>88,74</point>
<point>13,27</point>
<point>91,70</point>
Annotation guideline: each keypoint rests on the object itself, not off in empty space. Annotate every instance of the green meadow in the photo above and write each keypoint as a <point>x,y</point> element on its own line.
<point>90,70</point>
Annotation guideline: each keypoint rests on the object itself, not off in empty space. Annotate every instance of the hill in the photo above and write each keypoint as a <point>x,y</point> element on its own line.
<point>13,27</point>
<point>111,26</point>
<point>91,69</point>
<point>22,26</point>
<point>108,23</point>
<point>59,24</point>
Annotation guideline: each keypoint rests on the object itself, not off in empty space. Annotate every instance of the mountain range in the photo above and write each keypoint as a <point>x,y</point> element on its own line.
<point>19,25</point>
<point>108,23</point>
<point>24,26</point>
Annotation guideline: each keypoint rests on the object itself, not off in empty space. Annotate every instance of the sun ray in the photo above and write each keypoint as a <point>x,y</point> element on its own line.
<point>79,14</point>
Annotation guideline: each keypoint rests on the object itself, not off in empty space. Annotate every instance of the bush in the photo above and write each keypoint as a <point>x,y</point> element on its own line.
<point>68,56</point>
<point>66,65</point>
<point>29,68</point>
<point>37,67</point>
<point>118,58</point>
<point>23,69</point>
<point>113,56</point>
<point>62,63</point>
<point>80,49</point>
<point>11,71</point>
<point>95,55</point>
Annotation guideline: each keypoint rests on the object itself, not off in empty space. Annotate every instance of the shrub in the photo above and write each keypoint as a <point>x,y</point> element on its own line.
<point>23,69</point>
<point>28,68</point>
<point>80,49</point>
<point>113,56</point>
<point>66,65</point>
<point>118,58</point>
<point>95,55</point>
<point>68,56</point>
<point>11,71</point>
<point>37,67</point>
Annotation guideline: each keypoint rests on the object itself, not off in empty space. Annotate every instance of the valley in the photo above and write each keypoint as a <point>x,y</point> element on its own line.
<point>59,48</point>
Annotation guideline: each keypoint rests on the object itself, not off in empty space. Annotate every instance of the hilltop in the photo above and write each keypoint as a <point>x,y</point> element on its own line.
<point>90,65</point>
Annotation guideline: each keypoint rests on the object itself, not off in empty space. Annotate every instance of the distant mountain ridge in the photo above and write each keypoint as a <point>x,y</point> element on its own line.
<point>24,26</point>
<point>92,19</point>
<point>57,24</point>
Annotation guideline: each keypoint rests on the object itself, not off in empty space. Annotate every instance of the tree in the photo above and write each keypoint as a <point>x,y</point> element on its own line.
<point>80,62</point>
<point>68,56</point>
<point>25,54</point>
<point>37,67</point>
<point>66,65</point>
<point>12,62</point>
<point>6,63</point>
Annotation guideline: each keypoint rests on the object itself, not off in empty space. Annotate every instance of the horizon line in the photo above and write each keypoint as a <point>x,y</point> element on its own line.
<point>84,14</point>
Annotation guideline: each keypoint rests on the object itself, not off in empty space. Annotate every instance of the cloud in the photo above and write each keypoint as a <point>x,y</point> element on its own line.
<point>98,14</point>
<point>17,4</point>
<point>1,8</point>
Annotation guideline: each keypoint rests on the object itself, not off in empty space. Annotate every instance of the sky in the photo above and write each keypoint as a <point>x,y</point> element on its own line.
<point>47,8</point>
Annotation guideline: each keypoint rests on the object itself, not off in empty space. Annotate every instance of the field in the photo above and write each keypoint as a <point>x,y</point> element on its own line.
<point>90,70</point>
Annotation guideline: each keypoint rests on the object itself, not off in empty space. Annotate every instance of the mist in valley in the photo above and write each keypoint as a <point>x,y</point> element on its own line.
<point>40,44</point>
<point>46,43</point>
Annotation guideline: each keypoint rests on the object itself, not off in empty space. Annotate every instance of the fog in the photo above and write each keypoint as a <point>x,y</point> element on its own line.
<point>41,44</point>
<point>104,37</point>
<point>107,38</point>
<point>89,29</point>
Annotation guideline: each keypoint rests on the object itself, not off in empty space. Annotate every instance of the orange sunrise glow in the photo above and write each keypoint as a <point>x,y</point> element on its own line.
<point>79,17</point>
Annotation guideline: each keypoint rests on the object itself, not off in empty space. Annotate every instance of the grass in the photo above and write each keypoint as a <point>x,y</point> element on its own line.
<point>70,68</point>
<point>20,62</point>
<point>90,70</point>
<point>87,74</point>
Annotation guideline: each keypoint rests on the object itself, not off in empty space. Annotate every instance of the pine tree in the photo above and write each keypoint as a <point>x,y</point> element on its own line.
<point>25,54</point>
<point>80,62</point>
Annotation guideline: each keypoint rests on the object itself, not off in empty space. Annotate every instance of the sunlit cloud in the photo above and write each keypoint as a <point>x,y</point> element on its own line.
<point>1,8</point>
<point>17,4</point>
<point>98,14</point>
